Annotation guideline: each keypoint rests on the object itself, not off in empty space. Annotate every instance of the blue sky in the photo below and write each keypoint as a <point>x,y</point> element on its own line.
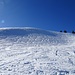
<point>53,15</point>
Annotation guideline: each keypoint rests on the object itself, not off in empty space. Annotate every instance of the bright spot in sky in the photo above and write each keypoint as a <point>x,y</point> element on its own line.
<point>2,21</point>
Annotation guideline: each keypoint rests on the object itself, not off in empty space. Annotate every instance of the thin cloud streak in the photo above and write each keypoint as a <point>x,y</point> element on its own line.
<point>3,3</point>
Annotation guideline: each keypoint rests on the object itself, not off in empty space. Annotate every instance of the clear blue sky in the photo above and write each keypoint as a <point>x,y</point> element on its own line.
<point>53,15</point>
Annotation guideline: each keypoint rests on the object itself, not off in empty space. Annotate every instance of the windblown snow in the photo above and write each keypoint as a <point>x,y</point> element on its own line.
<point>31,51</point>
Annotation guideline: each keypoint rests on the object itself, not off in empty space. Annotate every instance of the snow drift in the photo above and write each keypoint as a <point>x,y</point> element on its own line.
<point>32,51</point>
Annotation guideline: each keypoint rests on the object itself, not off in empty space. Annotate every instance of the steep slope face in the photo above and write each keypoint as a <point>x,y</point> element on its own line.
<point>30,51</point>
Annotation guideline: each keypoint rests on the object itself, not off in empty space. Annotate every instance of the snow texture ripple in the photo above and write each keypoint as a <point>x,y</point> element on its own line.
<point>30,51</point>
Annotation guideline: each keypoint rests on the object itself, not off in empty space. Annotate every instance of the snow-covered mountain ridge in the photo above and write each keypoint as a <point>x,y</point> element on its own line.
<point>32,51</point>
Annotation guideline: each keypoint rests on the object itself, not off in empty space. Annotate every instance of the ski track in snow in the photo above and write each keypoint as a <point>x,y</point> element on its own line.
<point>37,54</point>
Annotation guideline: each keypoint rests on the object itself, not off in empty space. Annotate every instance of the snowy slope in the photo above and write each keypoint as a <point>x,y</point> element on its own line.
<point>32,51</point>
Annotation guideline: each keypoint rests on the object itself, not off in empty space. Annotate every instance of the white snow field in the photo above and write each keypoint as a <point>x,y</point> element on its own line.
<point>32,51</point>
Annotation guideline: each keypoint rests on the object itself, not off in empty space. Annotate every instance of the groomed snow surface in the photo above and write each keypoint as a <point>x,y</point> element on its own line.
<point>30,51</point>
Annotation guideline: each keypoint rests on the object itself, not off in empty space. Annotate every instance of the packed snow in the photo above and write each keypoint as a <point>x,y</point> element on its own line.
<point>32,51</point>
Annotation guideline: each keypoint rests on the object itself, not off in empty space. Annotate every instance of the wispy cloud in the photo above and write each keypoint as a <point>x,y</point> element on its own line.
<point>3,3</point>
